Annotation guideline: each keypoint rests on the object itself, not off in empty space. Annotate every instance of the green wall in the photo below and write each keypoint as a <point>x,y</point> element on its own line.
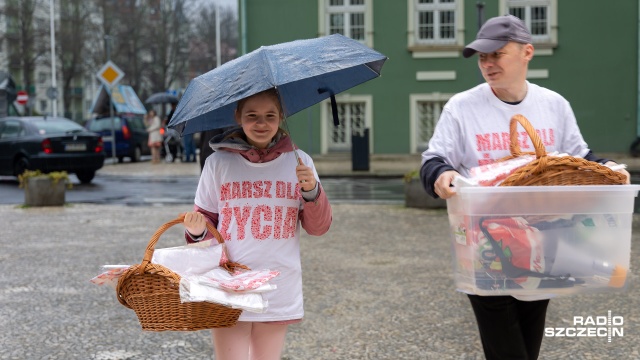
<point>594,66</point>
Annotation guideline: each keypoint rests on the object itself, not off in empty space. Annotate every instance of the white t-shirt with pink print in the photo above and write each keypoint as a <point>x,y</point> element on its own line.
<point>258,205</point>
<point>473,129</point>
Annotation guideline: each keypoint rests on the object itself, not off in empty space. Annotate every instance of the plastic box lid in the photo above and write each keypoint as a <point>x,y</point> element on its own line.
<point>537,200</point>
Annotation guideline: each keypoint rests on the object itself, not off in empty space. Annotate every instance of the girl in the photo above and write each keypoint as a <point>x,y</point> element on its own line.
<point>155,137</point>
<point>252,192</point>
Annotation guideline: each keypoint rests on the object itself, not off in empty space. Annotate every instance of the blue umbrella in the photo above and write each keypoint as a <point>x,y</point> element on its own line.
<point>304,72</point>
<point>162,98</point>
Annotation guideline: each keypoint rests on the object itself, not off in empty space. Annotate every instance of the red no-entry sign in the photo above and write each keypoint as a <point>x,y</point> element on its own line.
<point>22,98</point>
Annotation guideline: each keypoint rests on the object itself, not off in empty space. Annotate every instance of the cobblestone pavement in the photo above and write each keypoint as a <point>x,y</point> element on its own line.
<point>377,286</point>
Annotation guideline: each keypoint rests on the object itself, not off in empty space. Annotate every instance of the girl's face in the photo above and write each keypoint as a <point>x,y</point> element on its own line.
<point>260,118</point>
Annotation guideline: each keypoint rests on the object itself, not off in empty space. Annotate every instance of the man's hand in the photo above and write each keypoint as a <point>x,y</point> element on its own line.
<point>442,186</point>
<point>622,171</point>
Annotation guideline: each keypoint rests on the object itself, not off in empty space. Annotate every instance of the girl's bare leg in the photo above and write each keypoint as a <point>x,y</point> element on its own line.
<point>246,340</point>
<point>267,341</point>
<point>232,343</point>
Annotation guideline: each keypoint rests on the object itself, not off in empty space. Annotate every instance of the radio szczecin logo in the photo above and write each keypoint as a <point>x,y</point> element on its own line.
<point>590,326</point>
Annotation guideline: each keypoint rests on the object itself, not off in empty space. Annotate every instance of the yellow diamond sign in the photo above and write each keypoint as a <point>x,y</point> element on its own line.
<point>110,74</point>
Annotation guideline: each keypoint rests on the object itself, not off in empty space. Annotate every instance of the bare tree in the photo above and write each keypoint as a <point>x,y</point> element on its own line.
<point>159,44</point>
<point>203,48</point>
<point>26,38</point>
<point>169,37</point>
<point>75,29</point>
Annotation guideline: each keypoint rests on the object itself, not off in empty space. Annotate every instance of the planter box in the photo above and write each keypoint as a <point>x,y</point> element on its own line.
<point>42,191</point>
<point>416,197</point>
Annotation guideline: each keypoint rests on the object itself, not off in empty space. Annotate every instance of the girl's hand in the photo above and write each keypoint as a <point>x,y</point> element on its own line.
<point>195,223</point>
<point>305,176</point>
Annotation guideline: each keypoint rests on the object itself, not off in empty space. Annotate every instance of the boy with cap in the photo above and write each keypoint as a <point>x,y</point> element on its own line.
<point>510,327</point>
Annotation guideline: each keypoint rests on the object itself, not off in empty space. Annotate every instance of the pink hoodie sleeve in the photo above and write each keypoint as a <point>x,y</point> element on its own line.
<point>316,216</point>
<point>211,218</point>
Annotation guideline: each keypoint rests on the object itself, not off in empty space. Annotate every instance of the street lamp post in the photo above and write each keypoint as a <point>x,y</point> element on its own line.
<point>53,95</point>
<point>107,39</point>
<point>218,54</point>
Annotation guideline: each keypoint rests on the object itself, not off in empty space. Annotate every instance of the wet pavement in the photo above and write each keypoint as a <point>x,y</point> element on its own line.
<point>378,285</point>
<point>143,183</point>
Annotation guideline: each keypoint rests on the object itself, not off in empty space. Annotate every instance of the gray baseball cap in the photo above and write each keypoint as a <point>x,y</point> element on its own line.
<point>496,33</point>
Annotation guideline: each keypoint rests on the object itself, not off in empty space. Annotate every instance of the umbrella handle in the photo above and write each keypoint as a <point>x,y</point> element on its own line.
<point>334,105</point>
<point>293,146</point>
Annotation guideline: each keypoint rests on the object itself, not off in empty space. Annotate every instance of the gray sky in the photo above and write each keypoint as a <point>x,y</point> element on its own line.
<point>232,3</point>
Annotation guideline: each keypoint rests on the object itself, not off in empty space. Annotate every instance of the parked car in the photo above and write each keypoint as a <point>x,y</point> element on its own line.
<point>131,136</point>
<point>49,144</point>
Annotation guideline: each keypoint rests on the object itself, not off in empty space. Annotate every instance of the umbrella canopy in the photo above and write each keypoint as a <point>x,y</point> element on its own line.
<point>304,72</point>
<point>162,98</point>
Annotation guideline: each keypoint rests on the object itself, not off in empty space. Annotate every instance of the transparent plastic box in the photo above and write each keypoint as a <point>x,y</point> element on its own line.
<point>533,240</point>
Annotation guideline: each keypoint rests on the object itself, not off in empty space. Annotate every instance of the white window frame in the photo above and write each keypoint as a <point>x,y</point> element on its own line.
<point>323,18</point>
<point>414,99</point>
<point>435,49</point>
<point>544,43</point>
<point>326,117</point>
<point>436,8</point>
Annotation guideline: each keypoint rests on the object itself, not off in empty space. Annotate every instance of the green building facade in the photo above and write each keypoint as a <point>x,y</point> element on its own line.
<point>586,50</point>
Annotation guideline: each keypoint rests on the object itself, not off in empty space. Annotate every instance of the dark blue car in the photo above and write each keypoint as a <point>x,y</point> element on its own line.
<point>131,135</point>
<point>49,144</point>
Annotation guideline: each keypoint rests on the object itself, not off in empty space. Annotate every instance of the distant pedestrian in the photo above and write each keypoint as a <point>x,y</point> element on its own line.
<point>153,124</point>
<point>252,191</point>
<point>189,148</point>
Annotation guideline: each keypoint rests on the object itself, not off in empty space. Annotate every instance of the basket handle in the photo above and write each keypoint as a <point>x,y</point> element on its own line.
<point>514,147</point>
<point>148,253</point>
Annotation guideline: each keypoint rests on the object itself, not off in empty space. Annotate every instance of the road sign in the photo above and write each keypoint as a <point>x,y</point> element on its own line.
<point>22,98</point>
<point>52,93</point>
<point>110,74</point>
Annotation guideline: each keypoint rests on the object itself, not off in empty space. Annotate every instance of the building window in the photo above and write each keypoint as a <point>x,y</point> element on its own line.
<point>355,116</point>
<point>351,18</point>
<point>435,21</point>
<point>425,113</point>
<point>436,26</point>
<point>538,15</point>
<point>42,77</point>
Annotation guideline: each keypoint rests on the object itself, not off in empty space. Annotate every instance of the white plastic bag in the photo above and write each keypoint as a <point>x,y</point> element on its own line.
<point>192,259</point>
<point>110,275</point>
<point>240,281</point>
<point>192,291</point>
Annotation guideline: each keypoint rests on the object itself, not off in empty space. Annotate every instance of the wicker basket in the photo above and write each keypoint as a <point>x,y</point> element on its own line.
<point>554,170</point>
<point>152,291</point>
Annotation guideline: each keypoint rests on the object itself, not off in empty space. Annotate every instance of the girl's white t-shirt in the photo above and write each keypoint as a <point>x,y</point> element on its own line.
<point>258,205</point>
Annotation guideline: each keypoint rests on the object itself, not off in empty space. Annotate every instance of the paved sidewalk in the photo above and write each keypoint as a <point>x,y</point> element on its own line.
<point>377,286</point>
<point>332,165</point>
